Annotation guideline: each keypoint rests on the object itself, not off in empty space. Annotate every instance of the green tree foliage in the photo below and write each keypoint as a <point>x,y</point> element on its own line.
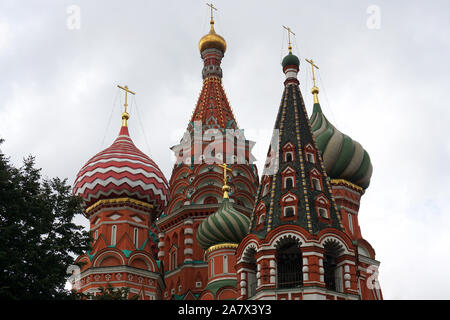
<point>38,239</point>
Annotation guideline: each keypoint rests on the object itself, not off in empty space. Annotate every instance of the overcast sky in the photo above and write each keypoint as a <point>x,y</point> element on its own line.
<point>383,78</point>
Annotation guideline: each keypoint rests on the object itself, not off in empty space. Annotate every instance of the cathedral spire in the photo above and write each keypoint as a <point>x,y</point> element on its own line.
<point>294,187</point>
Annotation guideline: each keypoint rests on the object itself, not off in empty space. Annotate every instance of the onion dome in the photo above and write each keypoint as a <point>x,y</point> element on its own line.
<point>343,157</point>
<point>226,225</point>
<point>290,60</point>
<point>122,170</point>
<point>212,40</point>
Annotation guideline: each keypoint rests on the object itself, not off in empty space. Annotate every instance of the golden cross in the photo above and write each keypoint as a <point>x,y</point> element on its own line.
<point>315,90</point>
<point>126,93</point>
<point>225,187</point>
<point>313,65</point>
<point>289,38</point>
<point>225,169</point>
<point>212,7</point>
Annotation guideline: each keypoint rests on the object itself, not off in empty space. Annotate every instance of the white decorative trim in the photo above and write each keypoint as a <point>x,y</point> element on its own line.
<point>121,222</point>
<point>369,261</point>
<point>137,219</point>
<point>334,238</point>
<point>150,264</point>
<point>264,257</point>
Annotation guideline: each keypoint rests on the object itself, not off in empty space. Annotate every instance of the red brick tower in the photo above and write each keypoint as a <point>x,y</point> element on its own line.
<point>220,235</point>
<point>349,168</point>
<point>298,246</point>
<point>123,192</point>
<point>212,138</point>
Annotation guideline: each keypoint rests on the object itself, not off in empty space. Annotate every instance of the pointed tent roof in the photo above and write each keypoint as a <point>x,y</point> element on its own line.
<point>213,108</point>
<point>292,127</point>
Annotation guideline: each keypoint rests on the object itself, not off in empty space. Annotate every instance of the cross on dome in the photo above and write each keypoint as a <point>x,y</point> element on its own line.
<point>289,37</point>
<point>225,187</point>
<point>125,114</point>
<point>212,8</point>
<point>315,90</point>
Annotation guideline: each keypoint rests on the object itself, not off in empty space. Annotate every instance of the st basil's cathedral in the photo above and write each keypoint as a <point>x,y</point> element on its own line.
<point>218,231</point>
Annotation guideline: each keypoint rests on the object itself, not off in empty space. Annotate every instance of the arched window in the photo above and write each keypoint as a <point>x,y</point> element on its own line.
<point>322,207</point>
<point>288,178</point>
<point>323,213</point>
<point>260,215</point>
<point>288,157</point>
<point>350,222</point>
<point>289,203</point>
<point>316,184</point>
<point>332,272</point>
<point>310,153</point>
<point>266,189</point>
<point>225,264</point>
<point>261,218</point>
<point>210,200</point>
<point>329,266</point>
<point>173,259</point>
<point>136,237</point>
<point>289,212</point>
<point>250,259</point>
<point>289,266</point>
<point>289,183</point>
<point>288,152</point>
<point>315,178</point>
<point>113,235</point>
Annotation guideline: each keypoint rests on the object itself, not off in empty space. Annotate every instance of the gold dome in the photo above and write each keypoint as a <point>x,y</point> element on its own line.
<point>212,40</point>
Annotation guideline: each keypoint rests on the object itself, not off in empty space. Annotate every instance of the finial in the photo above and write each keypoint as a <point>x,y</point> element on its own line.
<point>225,187</point>
<point>315,90</point>
<point>125,114</point>
<point>289,38</point>
<point>211,22</point>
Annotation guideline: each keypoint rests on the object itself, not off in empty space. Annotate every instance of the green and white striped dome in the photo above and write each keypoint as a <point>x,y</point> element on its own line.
<point>343,157</point>
<point>224,226</point>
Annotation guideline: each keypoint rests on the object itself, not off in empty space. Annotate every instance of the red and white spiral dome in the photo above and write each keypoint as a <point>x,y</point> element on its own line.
<point>122,170</point>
